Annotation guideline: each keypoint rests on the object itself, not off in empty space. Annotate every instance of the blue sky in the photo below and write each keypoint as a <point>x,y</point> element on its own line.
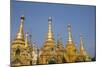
<point>82,19</point>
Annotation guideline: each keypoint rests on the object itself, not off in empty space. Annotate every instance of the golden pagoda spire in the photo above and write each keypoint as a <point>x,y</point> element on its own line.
<point>26,40</point>
<point>49,45</point>
<point>82,50</point>
<point>20,33</point>
<point>70,50</point>
<point>83,53</point>
<point>70,40</point>
<point>50,33</point>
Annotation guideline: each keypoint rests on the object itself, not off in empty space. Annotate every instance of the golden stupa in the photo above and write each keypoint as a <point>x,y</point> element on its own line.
<point>24,53</point>
<point>49,54</point>
<point>70,53</point>
<point>20,51</point>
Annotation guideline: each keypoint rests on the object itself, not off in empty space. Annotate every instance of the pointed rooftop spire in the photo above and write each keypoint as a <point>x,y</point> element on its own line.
<point>26,40</point>
<point>81,42</point>
<point>20,33</point>
<point>82,50</point>
<point>50,33</point>
<point>70,40</point>
<point>30,40</point>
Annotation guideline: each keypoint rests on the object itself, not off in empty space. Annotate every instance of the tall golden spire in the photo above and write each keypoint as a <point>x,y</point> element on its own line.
<point>20,33</point>
<point>49,45</point>
<point>50,33</point>
<point>70,40</point>
<point>82,50</point>
<point>70,50</point>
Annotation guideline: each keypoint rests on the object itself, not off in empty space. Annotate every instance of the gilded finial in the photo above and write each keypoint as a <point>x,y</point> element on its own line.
<point>26,39</point>
<point>69,33</point>
<point>81,42</point>
<point>82,50</point>
<point>50,33</point>
<point>20,34</point>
